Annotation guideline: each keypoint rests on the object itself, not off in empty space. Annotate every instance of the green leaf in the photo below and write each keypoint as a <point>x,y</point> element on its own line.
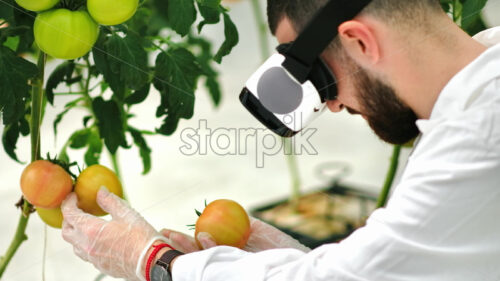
<point>471,12</point>
<point>138,96</point>
<point>86,120</point>
<point>144,150</point>
<point>211,75</point>
<point>10,136</point>
<point>446,5</point>
<point>198,213</point>
<point>122,61</point>
<point>214,90</point>
<point>232,39</point>
<point>94,149</point>
<point>12,43</point>
<point>209,11</point>
<point>181,15</point>
<point>127,58</point>
<point>21,24</point>
<point>139,23</point>
<point>209,3</point>
<point>79,138</point>
<point>15,72</point>
<point>110,123</point>
<point>58,120</point>
<point>6,10</point>
<point>24,127</point>
<point>176,75</point>
<point>25,19</point>
<point>476,27</point>
<point>62,73</point>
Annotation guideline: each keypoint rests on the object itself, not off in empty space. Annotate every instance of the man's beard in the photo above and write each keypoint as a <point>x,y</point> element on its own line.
<point>392,120</point>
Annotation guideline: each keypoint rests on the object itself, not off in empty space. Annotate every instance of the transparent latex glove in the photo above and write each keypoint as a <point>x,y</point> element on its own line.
<point>262,237</point>
<point>113,247</point>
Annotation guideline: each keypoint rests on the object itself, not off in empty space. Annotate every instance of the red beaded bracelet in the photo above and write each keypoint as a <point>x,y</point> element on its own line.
<point>156,249</point>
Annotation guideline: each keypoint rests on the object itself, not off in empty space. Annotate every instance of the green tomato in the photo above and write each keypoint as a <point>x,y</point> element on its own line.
<point>112,12</point>
<point>65,34</point>
<point>37,5</point>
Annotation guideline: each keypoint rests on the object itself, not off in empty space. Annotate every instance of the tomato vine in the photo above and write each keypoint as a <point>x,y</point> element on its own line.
<point>159,47</point>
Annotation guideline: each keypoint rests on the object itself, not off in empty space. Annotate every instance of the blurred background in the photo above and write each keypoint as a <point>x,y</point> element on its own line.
<point>179,183</point>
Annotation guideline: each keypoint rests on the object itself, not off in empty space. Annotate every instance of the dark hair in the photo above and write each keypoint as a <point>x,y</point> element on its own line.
<point>406,12</point>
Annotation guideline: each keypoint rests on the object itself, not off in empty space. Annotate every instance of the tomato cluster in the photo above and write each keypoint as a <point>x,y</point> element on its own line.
<point>68,34</point>
<point>45,185</point>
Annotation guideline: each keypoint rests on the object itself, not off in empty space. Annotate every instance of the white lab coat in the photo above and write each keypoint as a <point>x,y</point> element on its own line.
<point>441,223</point>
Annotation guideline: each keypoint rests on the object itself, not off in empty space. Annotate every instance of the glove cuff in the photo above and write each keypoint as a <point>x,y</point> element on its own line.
<point>138,269</point>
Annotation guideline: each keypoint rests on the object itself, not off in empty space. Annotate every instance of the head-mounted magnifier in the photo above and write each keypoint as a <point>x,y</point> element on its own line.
<point>291,88</point>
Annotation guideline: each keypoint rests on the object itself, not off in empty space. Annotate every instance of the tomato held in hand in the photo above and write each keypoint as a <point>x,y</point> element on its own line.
<point>88,184</point>
<point>226,221</point>
<point>112,12</point>
<point>37,5</point>
<point>52,217</point>
<point>65,34</point>
<point>45,184</point>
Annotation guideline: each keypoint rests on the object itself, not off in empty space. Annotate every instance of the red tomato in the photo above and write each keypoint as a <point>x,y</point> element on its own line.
<point>45,184</point>
<point>226,221</point>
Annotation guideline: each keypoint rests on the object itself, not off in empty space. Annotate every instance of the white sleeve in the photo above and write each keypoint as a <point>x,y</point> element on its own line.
<point>441,223</point>
<point>227,263</point>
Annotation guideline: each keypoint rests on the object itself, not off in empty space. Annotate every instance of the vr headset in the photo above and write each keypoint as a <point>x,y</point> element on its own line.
<point>291,88</point>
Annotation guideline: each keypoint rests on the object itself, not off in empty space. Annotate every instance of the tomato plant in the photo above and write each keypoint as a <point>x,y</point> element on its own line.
<point>45,184</point>
<point>65,34</point>
<point>226,221</point>
<point>112,12</point>
<point>37,5</point>
<point>157,51</point>
<point>88,184</point>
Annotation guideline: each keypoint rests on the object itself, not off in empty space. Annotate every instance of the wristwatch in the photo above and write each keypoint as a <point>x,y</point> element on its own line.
<point>161,269</point>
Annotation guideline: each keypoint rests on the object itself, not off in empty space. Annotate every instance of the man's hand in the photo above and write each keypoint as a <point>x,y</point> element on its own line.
<point>262,237</point>
<point>113,247</point>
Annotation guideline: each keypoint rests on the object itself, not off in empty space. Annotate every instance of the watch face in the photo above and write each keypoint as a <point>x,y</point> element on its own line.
<point>159,273</point>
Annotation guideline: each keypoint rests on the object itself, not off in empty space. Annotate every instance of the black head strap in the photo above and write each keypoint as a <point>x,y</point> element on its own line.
<point>313,40</point>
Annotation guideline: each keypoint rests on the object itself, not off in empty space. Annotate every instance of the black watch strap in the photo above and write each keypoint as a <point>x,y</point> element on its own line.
<point>166,259</point>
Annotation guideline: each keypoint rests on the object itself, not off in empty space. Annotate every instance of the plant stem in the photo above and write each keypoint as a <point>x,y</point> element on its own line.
<point>36,108</point>
<point>116,164</point>
<point>294,170</point>
<point>36,120</point>
<point>116,168</point>
<point>69,94</point>
<point>19,238</point>
<point>261,28</point>
<point>389,179</point>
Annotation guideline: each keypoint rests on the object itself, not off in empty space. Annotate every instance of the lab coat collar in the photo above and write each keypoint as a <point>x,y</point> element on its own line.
<point>463,87</point>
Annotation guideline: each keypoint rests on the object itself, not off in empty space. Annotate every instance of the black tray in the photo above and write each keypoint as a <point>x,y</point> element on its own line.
<point>336,190</point>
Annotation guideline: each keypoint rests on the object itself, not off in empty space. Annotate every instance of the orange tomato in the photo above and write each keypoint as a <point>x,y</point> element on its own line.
<point>88,184</point>
<point>45,184</point>
<point>226,221</point>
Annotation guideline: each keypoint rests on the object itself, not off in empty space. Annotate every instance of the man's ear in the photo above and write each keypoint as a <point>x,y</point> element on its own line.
<point>360,43</point>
